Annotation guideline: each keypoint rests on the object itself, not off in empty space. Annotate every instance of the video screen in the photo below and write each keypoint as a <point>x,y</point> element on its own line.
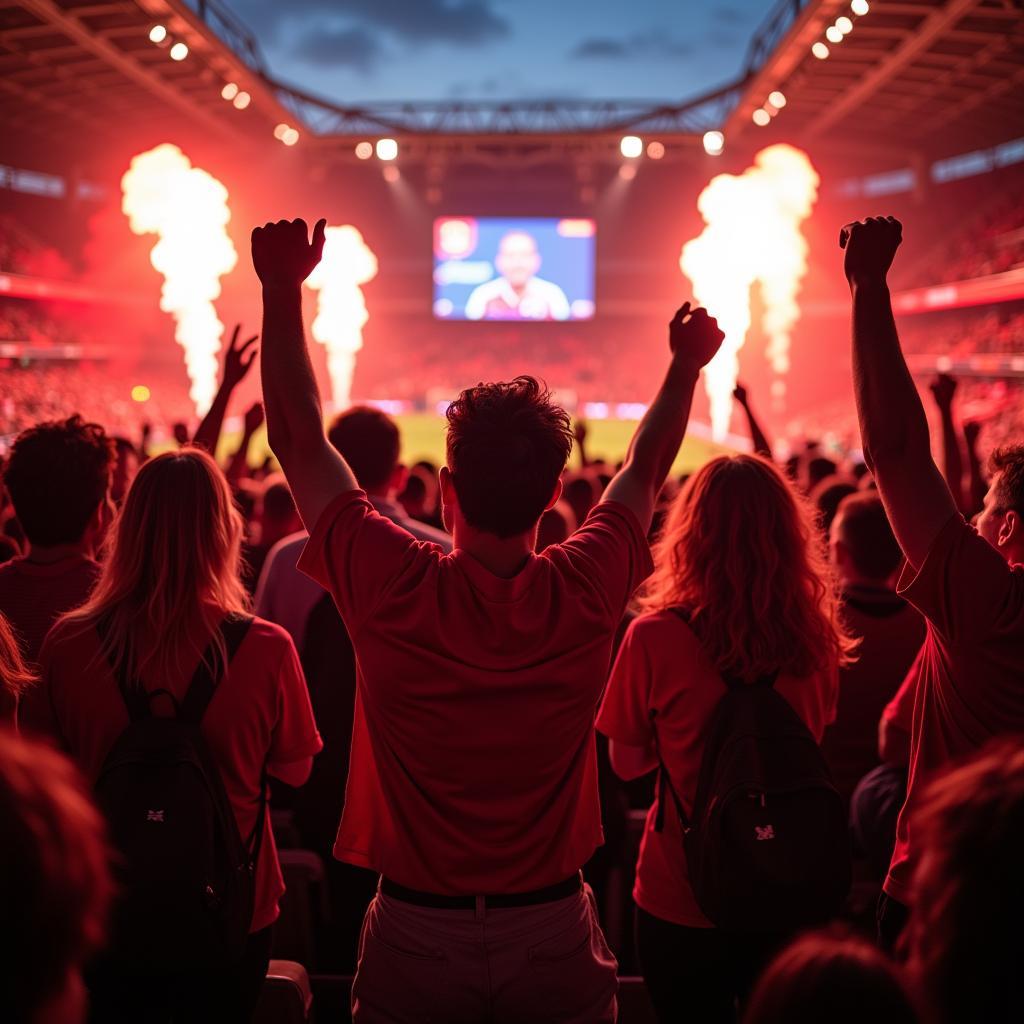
<point>513,268</point>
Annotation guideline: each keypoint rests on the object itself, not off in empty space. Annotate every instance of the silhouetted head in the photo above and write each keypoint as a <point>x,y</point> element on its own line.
<point>54,882</point>
<point>125,468</point>
<point>58,478</point>
<point>963,937</point>
<point>172,567</point>
<point>370,443</point>
<point>827,496</point>
<point>830,977</point>
<point>862,546</point>
<point>507,446</point>
<point>740,552</point>
<point>1001,521</point>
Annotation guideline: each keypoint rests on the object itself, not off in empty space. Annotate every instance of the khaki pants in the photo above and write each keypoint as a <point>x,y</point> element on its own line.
<point>547,963</point>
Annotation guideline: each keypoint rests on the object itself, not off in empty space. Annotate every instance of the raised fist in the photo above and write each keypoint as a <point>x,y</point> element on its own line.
<point>870,247</point>
<point>694,336</point>
<point>254,417</point>
<point>943,389</point>
<point>740,393</point>
<point>282,253</point>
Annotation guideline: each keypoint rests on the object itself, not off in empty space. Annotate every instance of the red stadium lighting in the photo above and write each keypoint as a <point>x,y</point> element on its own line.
<point>655,150</point>
<point>242,100</point>
<point>290,137</point>
<point>820,50</point>
<point>844,25</point>
<point>834,34</point>
<point>761,117</point>
<point>179,51</point>
<point>279,131</point>
<point>860,7</point>
<point>230,91</point>
<point>364,150</point>
<point>157,34</point>
<point>631,146</point>
<point>777,99</point>
<point>714,143</point>
<point>387,149</point>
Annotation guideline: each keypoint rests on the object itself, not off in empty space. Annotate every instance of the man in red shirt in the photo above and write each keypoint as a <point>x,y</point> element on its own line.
<point>968,583</point>
<point>473,777</point>
<point>58,477</point>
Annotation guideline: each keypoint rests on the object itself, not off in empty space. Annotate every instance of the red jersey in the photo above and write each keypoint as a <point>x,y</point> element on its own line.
<point>259,714</point>
<point>473,766</point>
<point>663,673</point>
<point>970,674</point>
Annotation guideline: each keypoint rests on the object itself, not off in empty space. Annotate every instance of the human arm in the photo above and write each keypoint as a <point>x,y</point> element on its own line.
<point>629,762</point>
<point>894,430</point>
<point>757,435</point>
<point>293,773</point>
<point>580,433</point>
<point>943,389</point>
<point>694,339</point>
<point>283,258</point>
<point>978,484</point>
<point>238,358</point>
<point>239,461</point>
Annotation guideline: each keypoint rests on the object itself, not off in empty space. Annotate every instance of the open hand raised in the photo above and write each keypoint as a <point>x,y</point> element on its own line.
<point>694,336</point>
<point>283,254</point>
<point>238,358</point>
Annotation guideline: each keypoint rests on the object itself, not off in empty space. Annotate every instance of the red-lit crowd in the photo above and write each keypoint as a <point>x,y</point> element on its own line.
<point>453,684</point>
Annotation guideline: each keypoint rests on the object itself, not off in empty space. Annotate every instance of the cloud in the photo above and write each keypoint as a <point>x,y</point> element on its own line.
<point>335,47</point>
<point>656,43</point>
<point>458,22</point>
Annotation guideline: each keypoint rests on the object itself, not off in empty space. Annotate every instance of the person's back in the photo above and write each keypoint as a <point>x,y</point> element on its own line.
<point>472,784</point>
<point>171,579</point>
<point>890,631</point>
<point>58,476</point>
<point>739,591</point>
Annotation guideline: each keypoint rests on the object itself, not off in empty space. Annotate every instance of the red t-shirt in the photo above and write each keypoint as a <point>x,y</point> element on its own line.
<point>259,714</point>
<point>33,597</point>
<point>663,673</point>
<point>970,676</point>
<point>473,767</point>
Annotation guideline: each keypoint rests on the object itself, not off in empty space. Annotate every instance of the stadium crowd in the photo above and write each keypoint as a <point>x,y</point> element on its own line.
<point>804,674</point>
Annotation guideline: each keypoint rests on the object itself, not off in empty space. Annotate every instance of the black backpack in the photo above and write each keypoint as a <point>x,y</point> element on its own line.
<point>186,878</point>
<point>767,845</point>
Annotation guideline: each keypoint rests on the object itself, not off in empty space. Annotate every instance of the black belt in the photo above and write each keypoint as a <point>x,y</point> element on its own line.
<point>558,891</point>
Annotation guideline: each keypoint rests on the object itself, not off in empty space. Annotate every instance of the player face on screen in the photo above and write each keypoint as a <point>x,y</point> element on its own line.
<point>518,259</point>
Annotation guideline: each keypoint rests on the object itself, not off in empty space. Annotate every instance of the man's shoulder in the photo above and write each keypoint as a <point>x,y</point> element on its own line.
<point>289,547</point>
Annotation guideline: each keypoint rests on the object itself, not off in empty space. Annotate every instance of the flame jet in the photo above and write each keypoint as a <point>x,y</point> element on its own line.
<point>187,208</point>
<point>752,235</point>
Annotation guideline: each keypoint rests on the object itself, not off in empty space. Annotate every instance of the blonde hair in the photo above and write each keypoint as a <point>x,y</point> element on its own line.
<point>172,570</point>
<point>740,552</point>
<point>15,675</point>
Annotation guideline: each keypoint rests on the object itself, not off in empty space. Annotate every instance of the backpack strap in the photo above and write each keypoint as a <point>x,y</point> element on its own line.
<point>212,666</point>
<point>664,782</point>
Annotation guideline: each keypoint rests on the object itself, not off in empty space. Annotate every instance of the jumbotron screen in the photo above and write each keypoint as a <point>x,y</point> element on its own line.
<point>513,268</point>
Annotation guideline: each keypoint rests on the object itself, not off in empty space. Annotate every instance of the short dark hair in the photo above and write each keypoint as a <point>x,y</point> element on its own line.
<point>507,446</point>
<point>828,495</point>
<point>370,443</point>
<point>57,474</point>
<point>278,503</point>
<point>867,535</point>
<point>1008,462</point>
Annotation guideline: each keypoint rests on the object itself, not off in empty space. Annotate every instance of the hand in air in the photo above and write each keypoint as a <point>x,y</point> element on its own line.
<point>254,418</point>
<point>740,393</point>
<point>283,254</point>
<point>943,389</point>
<point>694,336</point>
<point>238,358</point>
<point>971,431</point>
<point>870,247</point>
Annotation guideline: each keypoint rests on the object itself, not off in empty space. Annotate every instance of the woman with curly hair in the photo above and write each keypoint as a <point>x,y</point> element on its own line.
<point>740,591</point>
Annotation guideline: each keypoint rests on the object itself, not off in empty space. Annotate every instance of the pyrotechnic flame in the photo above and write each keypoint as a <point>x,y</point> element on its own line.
<point>187,208</point>
<point>752,235</point>
<point>347,263</point>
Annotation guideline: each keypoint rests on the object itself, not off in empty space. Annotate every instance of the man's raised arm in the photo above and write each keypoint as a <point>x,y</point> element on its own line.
<point>694,339</point>
<point>284,257</point>
<point>893,427</point>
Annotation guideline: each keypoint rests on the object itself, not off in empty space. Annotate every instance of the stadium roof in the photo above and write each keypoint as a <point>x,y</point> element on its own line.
<point>927,76</point>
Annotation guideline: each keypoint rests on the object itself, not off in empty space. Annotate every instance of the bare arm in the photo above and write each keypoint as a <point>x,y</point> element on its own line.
<point>237,360</point>
<point>757,435</point>
<point>580,433</point>
<point>893,427</point>
<point>239,464</point>
<point>284,257</point>
<point>943,389</point>
<point>978,484</point>
<point>694,339</point>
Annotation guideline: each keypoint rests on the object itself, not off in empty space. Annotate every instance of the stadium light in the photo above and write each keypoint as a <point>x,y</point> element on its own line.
<point>279,131</point>
<point>230,91</point>
<point>157,34</point>
<point>364,150</point>
<point>844,25</point>
<point>631,146</point>
<point>860,7</point>
<point>761,117</point>
<point>140,393</point>
<point>242,100</point>
<point>290,137</point>
<point>777,99</point>
<point>179,51</point>
<point>833,34</point>
<point>655,150</point>
<point>387,149</point>
<point>820,50</point>
<point>714,143</point>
